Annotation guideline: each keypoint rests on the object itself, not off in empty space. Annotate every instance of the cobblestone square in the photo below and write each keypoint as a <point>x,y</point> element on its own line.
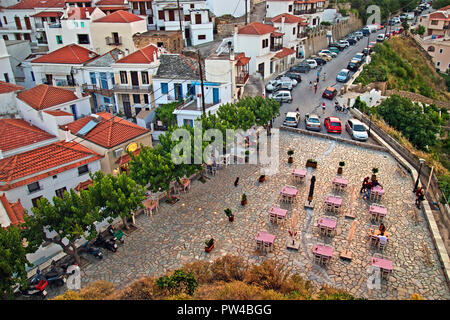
<point>176,233</point>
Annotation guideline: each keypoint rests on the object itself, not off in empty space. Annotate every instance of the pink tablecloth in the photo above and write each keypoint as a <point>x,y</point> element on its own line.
<point>378,190</point>
<point>378,210</point>
<point>382,263</point>
<point>288,191</point>
<point>265,237</point>
<point>342,181</point>
<point>328,223</point>
<point>323,250</point>
<point>334,200</point>
<point>278,211</point>
<point>299,172</point>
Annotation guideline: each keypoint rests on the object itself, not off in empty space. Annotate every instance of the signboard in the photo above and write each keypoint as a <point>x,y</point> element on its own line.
<point>132,147</point>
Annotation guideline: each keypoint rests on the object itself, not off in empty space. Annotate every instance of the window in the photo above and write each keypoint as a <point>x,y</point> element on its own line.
<point>293,31</point>
<point>192,6</point>
<point>434,22</point>
<point>160,44</point>
<point>441,50</point>
<point>6,76</point>
<point>265,43</point>
<point>60,192</point>
<point>113,81</point>
<point>146,98</point>
<point>144,76</point>
<point>59,39</point>
<point>123,77</point>
<point>76,24</point>
<point>164,88</point>
<point>187,17</point>
<point>83,39</point>
<point>35,201</point>
<point>136,98</point>
<point>438,63</point>
<point>201,37</point>
<point>55,176</point>
<point>4,19</point>
<point>32,76</point>
<point>290,8</point>
<point>161,15</point>
<point>33,187</point>
<point>83,170</point>
<point>82,24</point>
<point>5,37</point>
<point>198,19</point>
<point>18,36</point>
<point>27,36</point>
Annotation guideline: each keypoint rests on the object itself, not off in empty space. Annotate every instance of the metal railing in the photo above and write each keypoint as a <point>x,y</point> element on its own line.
<point>242,78</point>
<point>55,25</point>
<point>129,88</point>
<point>276,47</point>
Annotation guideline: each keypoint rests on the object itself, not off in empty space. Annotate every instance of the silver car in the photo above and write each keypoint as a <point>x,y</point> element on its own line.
<point>357,130</point>
<point>312,122</point>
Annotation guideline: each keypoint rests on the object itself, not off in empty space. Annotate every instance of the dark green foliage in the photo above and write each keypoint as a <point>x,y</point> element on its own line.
<point>387,7</point>
<point>178,282</point>
<point>444,185</point>
<point>438,4</point>
<point>165,114</point>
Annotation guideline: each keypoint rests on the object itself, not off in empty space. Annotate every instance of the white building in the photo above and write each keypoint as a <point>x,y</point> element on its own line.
<point>292,28</point>
<point>18,51</point>
<point>236,8</point>
<point>310,10</point>
<point>276,7</point>
<point>196,20</point>
<point>6,72</point>
<point>8,103</point>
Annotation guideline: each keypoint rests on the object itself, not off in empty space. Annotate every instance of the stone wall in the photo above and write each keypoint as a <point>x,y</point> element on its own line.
<point>172,41</point>
<point>225,30</point>
<point>418,97</point>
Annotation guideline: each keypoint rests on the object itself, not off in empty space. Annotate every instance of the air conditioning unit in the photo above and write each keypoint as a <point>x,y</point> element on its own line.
<point>118,152</point>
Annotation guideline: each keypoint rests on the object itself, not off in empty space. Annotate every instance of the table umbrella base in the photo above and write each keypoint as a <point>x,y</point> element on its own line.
<point>309,205</point>
<point>346,255</point>
<point>349,215</point>
<point>292,246</point>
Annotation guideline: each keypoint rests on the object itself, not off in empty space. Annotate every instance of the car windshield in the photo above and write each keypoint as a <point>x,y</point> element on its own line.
<point>359,127</point>
<point>335,124</point>
<point>328,92</point>
<point>343,73</point>
<point>290,119</point>
<point>313,120</point>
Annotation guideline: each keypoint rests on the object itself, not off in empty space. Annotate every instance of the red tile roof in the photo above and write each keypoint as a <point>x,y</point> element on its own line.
<point>439,16</point>
<point>15,211</point>
<point>284,53</point>
<point>44,96</point>
<point>288,18</point>
<point>144,55</point>
<point>108,132</point>
<point>113,8</point>
<point>126,158</point>
<point>32,4</point>
<point>84,185</point>
<point>242,61</point>
<point>53,158</point>
<point>256,28</point>
<point>70,54</point>
<point>6,87</point>
<point>109,2</point>
<point>17,133</point>
<point>76,13</point>
<point>58,113</point>
<point>120,16</point>
<point>48,14</point>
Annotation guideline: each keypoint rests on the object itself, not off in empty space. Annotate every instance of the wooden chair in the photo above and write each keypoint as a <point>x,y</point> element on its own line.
<point>267,247</point>
<point>273,218</point>
<point>259,245</point>
<point>280,220</point>
<point>336,208</point>
<point>381,245</point>
<point>317,259</point>
<point>329,206</point>
<point>326,261</point>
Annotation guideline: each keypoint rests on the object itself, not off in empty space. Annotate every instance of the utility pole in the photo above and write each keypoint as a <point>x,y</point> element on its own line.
<point>181,23</point>
<point>246,12</point>
<point>201,81</point>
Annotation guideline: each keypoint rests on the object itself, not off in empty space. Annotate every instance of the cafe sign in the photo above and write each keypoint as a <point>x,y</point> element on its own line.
<point>132,147</point>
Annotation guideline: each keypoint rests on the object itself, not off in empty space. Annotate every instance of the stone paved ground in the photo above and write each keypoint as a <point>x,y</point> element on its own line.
<point>176,234</point>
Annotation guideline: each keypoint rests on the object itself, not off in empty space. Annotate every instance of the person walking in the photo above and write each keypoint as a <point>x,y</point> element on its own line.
<point>315,87</point>
<point>364,184</point>
<point>323,107</point>
<point>324,76</point>
<point>420,197</point>
<point>310,85</point>
<point>366,194</point>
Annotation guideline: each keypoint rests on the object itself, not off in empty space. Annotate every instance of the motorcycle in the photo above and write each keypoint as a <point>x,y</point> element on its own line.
<point>37,277</point>
<point>37,290</point>
<point>340,108</point>
<point>54,277</point>
<point>117,235</point>
<point>92,250</point>
<point>109,244</point>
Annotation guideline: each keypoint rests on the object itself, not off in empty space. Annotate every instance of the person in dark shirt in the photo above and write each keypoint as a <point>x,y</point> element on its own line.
<point>366,194</point>
<point>364,184</point>
<point>382,229</point>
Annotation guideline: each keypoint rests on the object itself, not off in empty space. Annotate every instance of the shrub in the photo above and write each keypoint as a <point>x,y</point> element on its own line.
<point>209,242</point>
<point>143,289</point>
<point>228,213</point>
<point>295,287</point>
<point>201,271</point>
<point>238,290</point>
<point>178,282</point>
<point>229,268</point>
<point>268,275</point>
<point>69,295</point>
<point>290,152</point>
<point>97,290</point>
<point>329,293</point>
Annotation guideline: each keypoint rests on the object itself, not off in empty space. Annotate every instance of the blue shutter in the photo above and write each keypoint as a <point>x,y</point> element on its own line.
<point>216,95</point>
<point>164,88</point>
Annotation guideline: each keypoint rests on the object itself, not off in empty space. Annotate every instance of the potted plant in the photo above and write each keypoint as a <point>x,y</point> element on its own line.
<point>261,178</point>
<point>341,164</point>
<point>247,153</point>
<point>209,245</point>
<point>311,163</point>
<point>374,172</point>
<point>229,214</point>
<point>290,154</point>
<point>244,199</point>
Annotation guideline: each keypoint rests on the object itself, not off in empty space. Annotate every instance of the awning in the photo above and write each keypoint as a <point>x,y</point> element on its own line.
<point>243,61</point>
<point>126,158</point>
<point>46,14</point>
<point>284,53</point>
<point>276,34</point>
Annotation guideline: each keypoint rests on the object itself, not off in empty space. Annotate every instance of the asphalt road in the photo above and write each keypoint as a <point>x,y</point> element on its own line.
<point>309,102</point>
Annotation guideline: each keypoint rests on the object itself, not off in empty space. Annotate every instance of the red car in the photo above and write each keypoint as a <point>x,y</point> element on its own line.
<point>333,124</point>
<point>329,93</point>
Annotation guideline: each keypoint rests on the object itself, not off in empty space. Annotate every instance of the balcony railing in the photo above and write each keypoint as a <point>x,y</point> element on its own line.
<point>242,78</point>
<point>42,41</point>
<point>64,83</point>
<point>110,41</point>
<point>129,88</point>
<point>92,88</point>
<point>276,47</point>
<point>298,12</point>
<point>39,25</point>
<point>55,25</point>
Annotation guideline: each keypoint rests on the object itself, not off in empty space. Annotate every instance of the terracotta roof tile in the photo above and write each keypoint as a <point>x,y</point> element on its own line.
<point>6,87</point>
<point>108,132</point>
<point>144,55</point>
<point>256,28</point>
<point>119,16</point>
<point>109,2</point>
<point>60,156</point>
<point>58,113</point>
<point>84,185</point>
<point>70,54</point>
<point>48,14</point>
<point>44,96</point>
<point>284,53</point>
<point>77,13</point>
<point>15,211</point>
<point>288,18</point>
<point>31,4</point>
<point>17,133</point>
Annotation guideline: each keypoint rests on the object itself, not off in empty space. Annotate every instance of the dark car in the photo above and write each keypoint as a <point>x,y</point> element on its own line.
<point>352,41</point>
<point>320,61</point>
<point>353,65</point>
<point>294,75</point>
<point>302,68</point>
<point>329,93</point>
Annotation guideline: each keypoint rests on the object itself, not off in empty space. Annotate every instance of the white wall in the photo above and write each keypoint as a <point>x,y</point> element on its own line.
<point>236,8</point>
<point>5,65</point>
<point>274,8</point>
<point>8,103</point>
<point>251,45</point>
<point>18,52</point>
<point>201,29</point>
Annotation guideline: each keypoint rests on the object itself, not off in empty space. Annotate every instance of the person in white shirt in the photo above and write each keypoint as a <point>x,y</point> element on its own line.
<point>382,238</point>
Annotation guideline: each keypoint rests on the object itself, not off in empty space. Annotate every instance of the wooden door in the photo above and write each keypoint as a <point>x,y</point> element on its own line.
<point>198,19</point>
<point>27,23</point>
<point>134,78</point>
<point>18,23</point>
<point>171,15</point>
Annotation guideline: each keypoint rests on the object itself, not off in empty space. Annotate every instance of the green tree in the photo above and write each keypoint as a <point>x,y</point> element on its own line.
<point>438,4</point>
<point>178,282</point>
<point>117,196</point>
<point>421,30</point>
<point>12,261</point>
<point>71,217</point>
<point>405,26</point>
<point>164,113</point>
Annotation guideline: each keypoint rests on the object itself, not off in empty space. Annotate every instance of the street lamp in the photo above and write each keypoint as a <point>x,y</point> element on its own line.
<point>418,175</point>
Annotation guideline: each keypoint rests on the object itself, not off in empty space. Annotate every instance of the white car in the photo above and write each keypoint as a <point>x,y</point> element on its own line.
<point>282,96</point>
<point>328,52</point>
<point>357,130</point>
<point>343,44</point>
<point>312,63</point>
<point>292,119</point>
<point>280,84</point>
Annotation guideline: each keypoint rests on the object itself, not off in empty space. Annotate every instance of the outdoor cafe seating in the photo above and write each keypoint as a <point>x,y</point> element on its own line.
<point>333,204</point>
<point>289,194</point>
<point>327,226</point>
<point>376,194</point>
<point>322,254</point>
<point>277,215</point>
<point>264,241</point>
<point>377,212</point>
<point>298,175</point>
<point>339,184</point>
<point>150,205</point>
<point>384,263</point>
<point>185,184</point>
<point>375,241</point>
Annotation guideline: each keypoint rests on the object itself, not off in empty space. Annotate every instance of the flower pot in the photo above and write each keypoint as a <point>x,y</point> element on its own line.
<point>339,170</point>
<point>244,202</point>
<point>290,160</point>
<point>311,164</point>
<point>208,249</point>
<point>231,219</point>
<point>261,179</point>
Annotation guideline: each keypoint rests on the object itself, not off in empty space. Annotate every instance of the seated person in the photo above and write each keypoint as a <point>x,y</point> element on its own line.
<point>382,229</point>
<point>376,183</point>
<point>382,238</point>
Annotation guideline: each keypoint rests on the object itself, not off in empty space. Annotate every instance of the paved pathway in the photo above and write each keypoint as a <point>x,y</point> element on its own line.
<point>176,234</point>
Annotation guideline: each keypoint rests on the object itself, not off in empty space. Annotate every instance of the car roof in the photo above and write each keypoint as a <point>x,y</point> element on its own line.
<point>334,119</point>
<point>313,115</point>
<point>346,70</point>
<point>355,121</point>
<point>331,89</point>
<point>283,91</point>
<point>354,61</point>
<point>291,114</point>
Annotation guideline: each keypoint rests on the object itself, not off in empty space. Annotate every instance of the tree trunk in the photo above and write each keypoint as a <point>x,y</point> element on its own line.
<point>125,222</point>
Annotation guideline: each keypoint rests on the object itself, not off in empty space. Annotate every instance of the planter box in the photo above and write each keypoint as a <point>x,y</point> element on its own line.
<point>231,219</point>
<point>290,160</point>
<point>209,249</point>
<point>311,164</point>
<point>244,202</point>
<point>261,179</point>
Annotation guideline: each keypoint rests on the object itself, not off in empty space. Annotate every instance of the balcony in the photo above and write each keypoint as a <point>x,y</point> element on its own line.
<point>276,47</point>
<point>242,78</point>
<point>55,25</point>
<point>132,89</point>
<point>92,88</point>
<point>42,41</point>
<point>39,25</point>
<point>64,83</point>
<point>310,11</point>
<point>110,41</point>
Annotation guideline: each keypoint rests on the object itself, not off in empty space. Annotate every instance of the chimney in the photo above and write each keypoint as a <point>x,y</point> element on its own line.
<point>78,92</point>
<point>127,51</point>
<point>235,28</point>
<point>231,54</point>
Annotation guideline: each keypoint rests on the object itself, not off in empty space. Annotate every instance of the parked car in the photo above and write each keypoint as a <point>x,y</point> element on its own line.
<point>320,61</point>
<point>357,130</point>
<point>334,49</point>
<point>342,44</point>
<point>281,96</point>
<point>302,68</point>
<point>353,65</point>
<point>359,35</point>
<point>312,122</point>
<point>280,84</point>
<point>329,93</point>
<point>294,75</point>
<point>325,56</point>
<point>352,40</point>
<point>365,31</point>
<point>333,124</point>
<point>359,56</point>
<point>380,37</point>
<point>328,52</point>
<point>284,78</point>
<point>312,63</point>
<point>343,75</point>
<point>292,119</point>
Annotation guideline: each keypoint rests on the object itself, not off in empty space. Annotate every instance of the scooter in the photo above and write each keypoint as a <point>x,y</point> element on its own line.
<point>109,244</point>
<point>340,108</point>
<point>117,235</point>
<point>54,277</point>
<point>92,250</point>
<point>37,277</point>
<point>37,290</point>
